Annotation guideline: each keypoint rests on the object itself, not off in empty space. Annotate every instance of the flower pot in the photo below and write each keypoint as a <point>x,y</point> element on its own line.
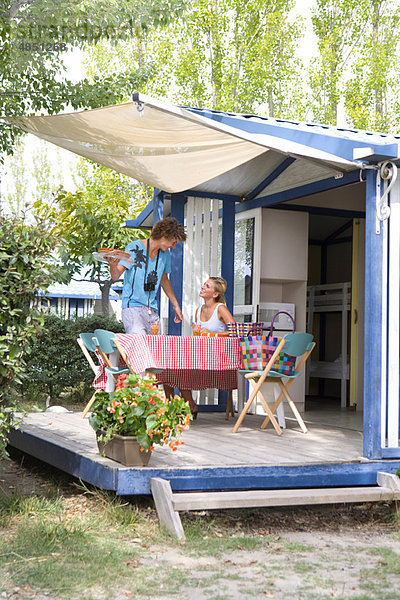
<point>125,450</point>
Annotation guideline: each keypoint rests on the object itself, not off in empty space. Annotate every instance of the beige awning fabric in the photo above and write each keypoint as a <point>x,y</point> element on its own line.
<point>158,148</point>
<point>162,145</point>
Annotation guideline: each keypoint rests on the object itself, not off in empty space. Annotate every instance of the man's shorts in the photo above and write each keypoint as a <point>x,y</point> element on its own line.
<point>137,319</point>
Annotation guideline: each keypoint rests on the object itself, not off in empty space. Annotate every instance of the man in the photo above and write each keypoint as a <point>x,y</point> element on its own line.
<point>148,268</point>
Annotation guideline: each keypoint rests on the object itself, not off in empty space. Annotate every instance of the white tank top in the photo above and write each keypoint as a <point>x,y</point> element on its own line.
<point>214,325</point>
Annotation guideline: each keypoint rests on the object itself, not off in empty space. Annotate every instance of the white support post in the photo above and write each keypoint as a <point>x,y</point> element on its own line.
<point>187,304</point>
<point>198,250</point>
<point>345,303</point>
<point>384,335</point>
<point>214,266</point>
<point>393,317</point>
<point>206,240</point>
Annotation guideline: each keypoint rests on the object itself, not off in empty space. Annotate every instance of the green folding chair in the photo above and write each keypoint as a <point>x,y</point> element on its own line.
<point>89,344</point>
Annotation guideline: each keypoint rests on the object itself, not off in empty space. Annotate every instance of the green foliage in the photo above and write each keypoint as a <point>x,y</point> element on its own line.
<point>56,361</point>
<point>91,218</point>
<point>138,408</point>
<point>227,55</point>
<point>338,25</point>
<point>25,268</point>
<point>373,91</point>
<point>35,37</point>
<point>359,37</point>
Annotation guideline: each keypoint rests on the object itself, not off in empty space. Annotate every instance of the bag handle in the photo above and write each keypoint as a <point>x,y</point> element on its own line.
<point>281,312</point>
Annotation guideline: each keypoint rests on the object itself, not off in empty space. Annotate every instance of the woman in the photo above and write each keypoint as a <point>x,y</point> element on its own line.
<point>212,317</point>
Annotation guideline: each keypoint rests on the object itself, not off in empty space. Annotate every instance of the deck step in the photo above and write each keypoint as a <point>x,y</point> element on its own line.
<point>169,504</point>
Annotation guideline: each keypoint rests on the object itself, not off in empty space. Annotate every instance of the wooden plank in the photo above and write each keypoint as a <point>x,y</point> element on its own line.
<point>388,480</point>
<point>210,443</point>
<point>211,458</point>
<point>169,518</point>
<point>258,498</point>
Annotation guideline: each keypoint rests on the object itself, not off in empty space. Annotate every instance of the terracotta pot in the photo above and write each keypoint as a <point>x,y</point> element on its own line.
<point>125,450</point>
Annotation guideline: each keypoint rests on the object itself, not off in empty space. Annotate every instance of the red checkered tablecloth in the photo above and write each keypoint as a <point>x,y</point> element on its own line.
<point>194,362</point>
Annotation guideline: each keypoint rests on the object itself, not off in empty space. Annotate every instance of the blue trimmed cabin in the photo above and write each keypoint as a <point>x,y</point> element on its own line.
<point>291,214</point>
<point>76,299</point>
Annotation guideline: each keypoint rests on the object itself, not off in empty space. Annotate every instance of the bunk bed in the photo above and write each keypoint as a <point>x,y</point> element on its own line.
<point>331,298</point>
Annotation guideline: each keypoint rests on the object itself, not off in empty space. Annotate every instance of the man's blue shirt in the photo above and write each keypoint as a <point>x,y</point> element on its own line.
<point>133,293</point>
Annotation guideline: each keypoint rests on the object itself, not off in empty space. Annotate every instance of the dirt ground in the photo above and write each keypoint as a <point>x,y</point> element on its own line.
<point>314,552</point>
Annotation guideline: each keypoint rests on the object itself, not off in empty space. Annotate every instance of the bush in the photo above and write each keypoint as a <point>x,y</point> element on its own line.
<point>25,267</point>
<point>57,363</point>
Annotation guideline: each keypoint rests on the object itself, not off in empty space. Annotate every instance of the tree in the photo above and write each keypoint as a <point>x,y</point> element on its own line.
<point>372,92</point>
<point>91,218</point>
<point>35,36</point>
<point>339,26</point>
<point>32,174</point>
<point>233,55</point>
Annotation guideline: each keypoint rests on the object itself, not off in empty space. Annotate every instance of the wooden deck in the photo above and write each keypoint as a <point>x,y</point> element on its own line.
<point>213,458</point>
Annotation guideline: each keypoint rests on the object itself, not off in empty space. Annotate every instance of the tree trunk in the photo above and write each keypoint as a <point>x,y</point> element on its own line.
<point>105,287</point>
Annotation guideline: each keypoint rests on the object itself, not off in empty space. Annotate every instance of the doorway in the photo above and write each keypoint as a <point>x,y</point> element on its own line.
<point>335,308</point>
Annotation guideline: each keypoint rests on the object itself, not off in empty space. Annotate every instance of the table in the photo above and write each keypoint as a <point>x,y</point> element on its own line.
<point>187,362</point>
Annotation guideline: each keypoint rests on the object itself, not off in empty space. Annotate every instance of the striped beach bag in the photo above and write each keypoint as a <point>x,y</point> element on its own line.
<point>258,349</point>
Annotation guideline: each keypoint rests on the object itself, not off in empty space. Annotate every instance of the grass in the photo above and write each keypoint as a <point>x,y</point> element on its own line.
<point>83,542</point>
<point>17,504</point>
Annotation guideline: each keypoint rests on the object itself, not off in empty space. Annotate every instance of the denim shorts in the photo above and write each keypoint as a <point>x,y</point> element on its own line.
<point>137,319</point>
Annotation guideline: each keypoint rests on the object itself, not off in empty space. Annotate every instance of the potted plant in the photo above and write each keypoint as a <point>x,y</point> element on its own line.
<point>136,416</point>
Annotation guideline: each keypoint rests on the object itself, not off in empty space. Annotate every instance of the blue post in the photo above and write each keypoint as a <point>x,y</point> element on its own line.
<point>228,249</point>
<point>158,205</point>
<point>227,266</point>
<point>176,277</point>
<point>373,326</point>
<point>158,213</point>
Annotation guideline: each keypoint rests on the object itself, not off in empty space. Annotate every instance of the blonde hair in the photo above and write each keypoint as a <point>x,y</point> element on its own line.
<point>220,288</point>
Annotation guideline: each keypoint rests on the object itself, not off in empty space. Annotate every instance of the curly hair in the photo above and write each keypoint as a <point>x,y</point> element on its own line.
<point>169,228</point>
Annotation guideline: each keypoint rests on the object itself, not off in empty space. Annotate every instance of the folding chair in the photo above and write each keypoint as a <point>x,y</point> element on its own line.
<point>107,345</point>
<point>299,345</point>
<point>89,343</point>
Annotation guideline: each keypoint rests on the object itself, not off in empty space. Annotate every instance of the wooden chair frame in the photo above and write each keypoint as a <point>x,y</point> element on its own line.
<point>94,368</point>
<point>256,380</point>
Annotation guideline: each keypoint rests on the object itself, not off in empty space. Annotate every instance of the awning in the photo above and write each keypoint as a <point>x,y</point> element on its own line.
<point>175,149</point>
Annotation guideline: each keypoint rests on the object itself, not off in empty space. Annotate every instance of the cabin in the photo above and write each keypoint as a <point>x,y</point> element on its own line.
<point>296,216</point>
<point>78,298</point>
